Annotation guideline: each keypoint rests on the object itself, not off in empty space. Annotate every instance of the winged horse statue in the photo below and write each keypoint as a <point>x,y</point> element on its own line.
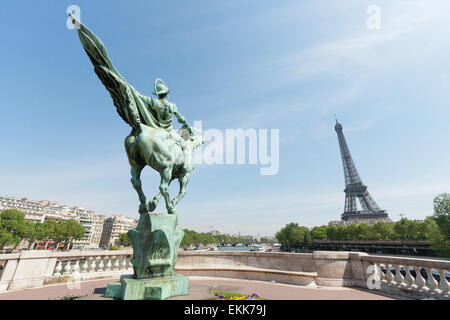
<point>152,140</point>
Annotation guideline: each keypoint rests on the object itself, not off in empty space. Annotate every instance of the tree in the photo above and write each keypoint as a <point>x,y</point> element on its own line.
<point>74,230</point>
<point>307,239</point>
<point>441,215</point>
<point>319,233</point>
<point>336,233</point>
<point>284,236</point>
<point>363,231</point>
<point>60,233</point>
<point>12,221</point>
<point>292,235</point>
<point>6,238</point>
<point>383,231</point>
<point>39,231</point>
<point>114,247</point>
<point>406,229</point>
<point>49,231</point>
<point>124,240</point>
<point>66,230</point>
<point>429,230</point>
<point>31,232</point>
<point>187,239</point>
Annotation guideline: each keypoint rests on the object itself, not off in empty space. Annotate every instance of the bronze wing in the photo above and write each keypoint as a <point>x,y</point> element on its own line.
<point>127,100</point>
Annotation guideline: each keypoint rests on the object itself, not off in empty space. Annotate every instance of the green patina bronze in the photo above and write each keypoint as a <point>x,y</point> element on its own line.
<point>152,142</point>
<point>155,245</point>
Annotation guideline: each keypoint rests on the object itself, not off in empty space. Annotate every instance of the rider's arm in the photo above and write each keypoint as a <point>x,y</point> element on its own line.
<point>145,99</point>
<point>182,120</point>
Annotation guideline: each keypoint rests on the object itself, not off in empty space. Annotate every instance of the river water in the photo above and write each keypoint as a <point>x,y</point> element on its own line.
<point>235,248</point>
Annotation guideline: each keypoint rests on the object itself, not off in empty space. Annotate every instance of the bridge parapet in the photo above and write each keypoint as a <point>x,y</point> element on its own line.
<point>411,277</point>
<point>30,269</point>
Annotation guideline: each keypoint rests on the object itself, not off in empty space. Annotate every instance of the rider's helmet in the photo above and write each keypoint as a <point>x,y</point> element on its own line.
<point>160,88</point>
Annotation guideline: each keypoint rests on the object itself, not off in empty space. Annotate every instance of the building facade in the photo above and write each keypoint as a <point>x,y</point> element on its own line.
<point>93,226</point>
<point>40,211</point>
<point>113,227</point>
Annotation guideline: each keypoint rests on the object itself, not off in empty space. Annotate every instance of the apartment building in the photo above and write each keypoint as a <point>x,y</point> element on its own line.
<point>113,227</point>
<point>41,210</point>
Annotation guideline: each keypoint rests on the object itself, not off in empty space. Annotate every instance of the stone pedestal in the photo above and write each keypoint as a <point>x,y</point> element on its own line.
<point>158,288</point>
<point>155,240</point>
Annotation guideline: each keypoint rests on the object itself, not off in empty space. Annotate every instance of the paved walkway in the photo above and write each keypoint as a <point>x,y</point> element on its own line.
<point>199,290</point>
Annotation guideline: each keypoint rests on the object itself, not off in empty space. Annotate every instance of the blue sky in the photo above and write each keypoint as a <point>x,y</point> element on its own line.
<point>287,65</point>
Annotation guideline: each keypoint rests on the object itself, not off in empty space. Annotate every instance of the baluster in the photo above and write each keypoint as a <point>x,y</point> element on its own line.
<point>130,263</point>
<point>398,276</point>
<point>377,271</point>
<point>58,268</point>
<point>101,265</point>
<point>123,264</point>
<point>92,267</point>
<point>431,280</point>
<point>382,275</point>
<point>443,281</point>
<point>67,267</point>
<point>409,278</point>
<point>84,267</point>
<point>108,265</point>
<point>116,263</point>
<point>389,275</point>
<point>76,266</point>
<point>420,281</point>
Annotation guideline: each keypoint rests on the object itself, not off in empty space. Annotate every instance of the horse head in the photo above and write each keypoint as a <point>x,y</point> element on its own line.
<point>195,141</point>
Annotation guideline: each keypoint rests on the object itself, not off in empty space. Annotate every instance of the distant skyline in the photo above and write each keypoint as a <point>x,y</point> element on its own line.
<point>259,64</point>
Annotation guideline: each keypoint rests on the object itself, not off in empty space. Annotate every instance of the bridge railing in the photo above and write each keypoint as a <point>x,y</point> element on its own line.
<point>33,268</point>
<point>410,276</point>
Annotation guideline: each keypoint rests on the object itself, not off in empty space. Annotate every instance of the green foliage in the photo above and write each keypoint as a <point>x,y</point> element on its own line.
<point>65,230</point>
<point>124,240</point>
<point>441,215</point>
<point>14,228</point>
<point>293,235</point>
<point>49,229</point>
<point>335,233</point>
<point>225,295</point>
<point>6,238</point>
<point>441,247</point>
<point>114,247</point>
<point>319,233</point>
<point>195,238</point>
<point>383,231</point>
<point>431,229</point>
<point>30,232</point>
<point>307,239</point>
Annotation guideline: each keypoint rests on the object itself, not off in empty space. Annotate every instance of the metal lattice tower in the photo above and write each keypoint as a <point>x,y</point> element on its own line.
<point>355,189</point>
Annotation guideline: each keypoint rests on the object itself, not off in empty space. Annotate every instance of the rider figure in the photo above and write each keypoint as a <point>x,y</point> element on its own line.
<point>165,110</point>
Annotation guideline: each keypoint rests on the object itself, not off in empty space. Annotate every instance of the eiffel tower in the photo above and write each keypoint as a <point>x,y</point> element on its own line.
<point>355,189</point>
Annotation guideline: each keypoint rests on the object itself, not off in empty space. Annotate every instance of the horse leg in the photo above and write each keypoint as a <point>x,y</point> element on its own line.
<point>183,182</point>
<point>154,203</point>
<point>136,182</point>
<point>166,175</point>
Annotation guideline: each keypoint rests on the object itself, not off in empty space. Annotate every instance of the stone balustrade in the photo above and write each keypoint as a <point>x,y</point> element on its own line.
<point>411,277</point>
<point>37,268</point>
